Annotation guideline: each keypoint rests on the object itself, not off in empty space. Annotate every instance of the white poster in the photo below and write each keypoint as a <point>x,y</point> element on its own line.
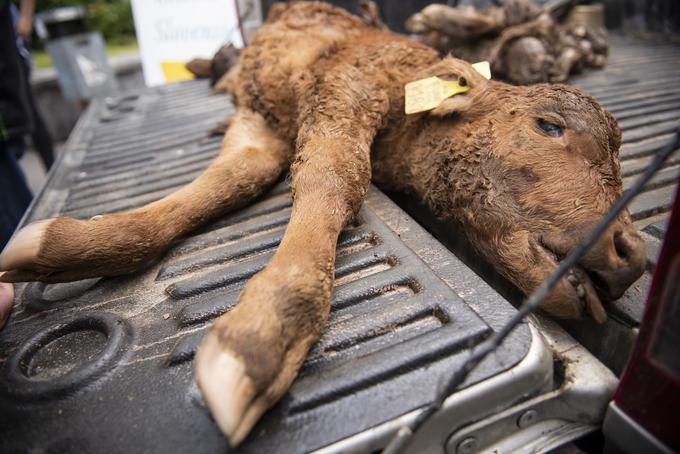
<point>172,32</point>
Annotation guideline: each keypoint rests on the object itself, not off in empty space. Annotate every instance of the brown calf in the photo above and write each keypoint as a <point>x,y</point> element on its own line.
<point>523,171</point>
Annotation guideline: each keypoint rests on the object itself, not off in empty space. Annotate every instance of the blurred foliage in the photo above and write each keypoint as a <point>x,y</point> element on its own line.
<point>42,59</point>
<point>113,18</point>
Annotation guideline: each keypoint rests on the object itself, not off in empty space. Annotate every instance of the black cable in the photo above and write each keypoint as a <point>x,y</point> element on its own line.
<point>529,305</point>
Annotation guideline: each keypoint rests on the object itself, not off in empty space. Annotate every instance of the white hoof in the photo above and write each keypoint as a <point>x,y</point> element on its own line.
<point>226,388</point>
<point>22,249</point>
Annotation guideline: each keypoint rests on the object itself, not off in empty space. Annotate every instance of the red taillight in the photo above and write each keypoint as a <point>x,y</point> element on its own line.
<point>649,391</point>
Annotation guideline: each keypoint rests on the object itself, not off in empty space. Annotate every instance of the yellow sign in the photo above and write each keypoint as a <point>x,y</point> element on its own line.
<point>175,70</point>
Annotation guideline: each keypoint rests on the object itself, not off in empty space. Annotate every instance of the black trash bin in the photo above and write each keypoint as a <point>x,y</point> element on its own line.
<point>79,55</point>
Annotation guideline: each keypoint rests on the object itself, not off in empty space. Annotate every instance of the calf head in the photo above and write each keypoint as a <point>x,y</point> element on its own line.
<point>526,172</point>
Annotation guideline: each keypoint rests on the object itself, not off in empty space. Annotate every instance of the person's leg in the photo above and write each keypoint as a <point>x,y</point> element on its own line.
<point>14,193</point>
<point>42,140</point>
<point>6,300</point>
<point>41,137</point>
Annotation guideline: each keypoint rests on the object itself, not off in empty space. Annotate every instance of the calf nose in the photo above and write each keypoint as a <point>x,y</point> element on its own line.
<point>616,260</point>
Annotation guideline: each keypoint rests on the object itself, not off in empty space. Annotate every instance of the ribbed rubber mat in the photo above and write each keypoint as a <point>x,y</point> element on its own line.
<point>105,364</point>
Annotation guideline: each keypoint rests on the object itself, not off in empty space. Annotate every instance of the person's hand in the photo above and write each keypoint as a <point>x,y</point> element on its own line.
<point>6,299</point>
<point>24,27</point>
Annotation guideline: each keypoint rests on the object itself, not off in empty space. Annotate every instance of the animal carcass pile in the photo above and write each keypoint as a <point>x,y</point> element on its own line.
<point>524,42</point>
<point>224,59</point>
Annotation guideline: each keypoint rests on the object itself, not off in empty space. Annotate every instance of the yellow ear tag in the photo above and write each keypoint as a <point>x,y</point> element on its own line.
<point>427,94</point>
<point>483,68</point>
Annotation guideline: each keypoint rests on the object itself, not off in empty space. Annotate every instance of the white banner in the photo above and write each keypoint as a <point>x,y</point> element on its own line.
<point>172,32</point>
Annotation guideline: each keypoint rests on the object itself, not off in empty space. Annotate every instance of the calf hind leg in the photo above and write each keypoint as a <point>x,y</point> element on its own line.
<point>64,249</point>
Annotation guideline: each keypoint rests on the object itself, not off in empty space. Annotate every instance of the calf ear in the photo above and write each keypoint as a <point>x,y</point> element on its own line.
<point>479,99</point>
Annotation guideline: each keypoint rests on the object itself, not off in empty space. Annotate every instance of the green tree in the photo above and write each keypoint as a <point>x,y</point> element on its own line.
<point>113,18</point>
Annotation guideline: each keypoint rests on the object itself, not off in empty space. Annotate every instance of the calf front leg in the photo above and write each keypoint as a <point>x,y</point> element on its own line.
<point>252,354</point>
<point>64,249</point>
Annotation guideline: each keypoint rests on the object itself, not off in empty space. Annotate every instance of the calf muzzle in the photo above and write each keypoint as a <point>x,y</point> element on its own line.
<point>613,263</point>
<point>616,261</point>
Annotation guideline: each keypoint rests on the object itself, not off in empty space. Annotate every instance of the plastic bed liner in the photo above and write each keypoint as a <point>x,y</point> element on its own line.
<point>105,365</point>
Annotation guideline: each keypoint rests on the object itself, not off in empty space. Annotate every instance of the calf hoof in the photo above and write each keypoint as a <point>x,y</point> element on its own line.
<point>23,248</point>
<point>252,354</point>
<point>227,389</point>
<point>234,386</point>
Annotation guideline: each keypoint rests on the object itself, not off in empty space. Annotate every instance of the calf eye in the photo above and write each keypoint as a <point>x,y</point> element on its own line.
<point>551,129</point>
